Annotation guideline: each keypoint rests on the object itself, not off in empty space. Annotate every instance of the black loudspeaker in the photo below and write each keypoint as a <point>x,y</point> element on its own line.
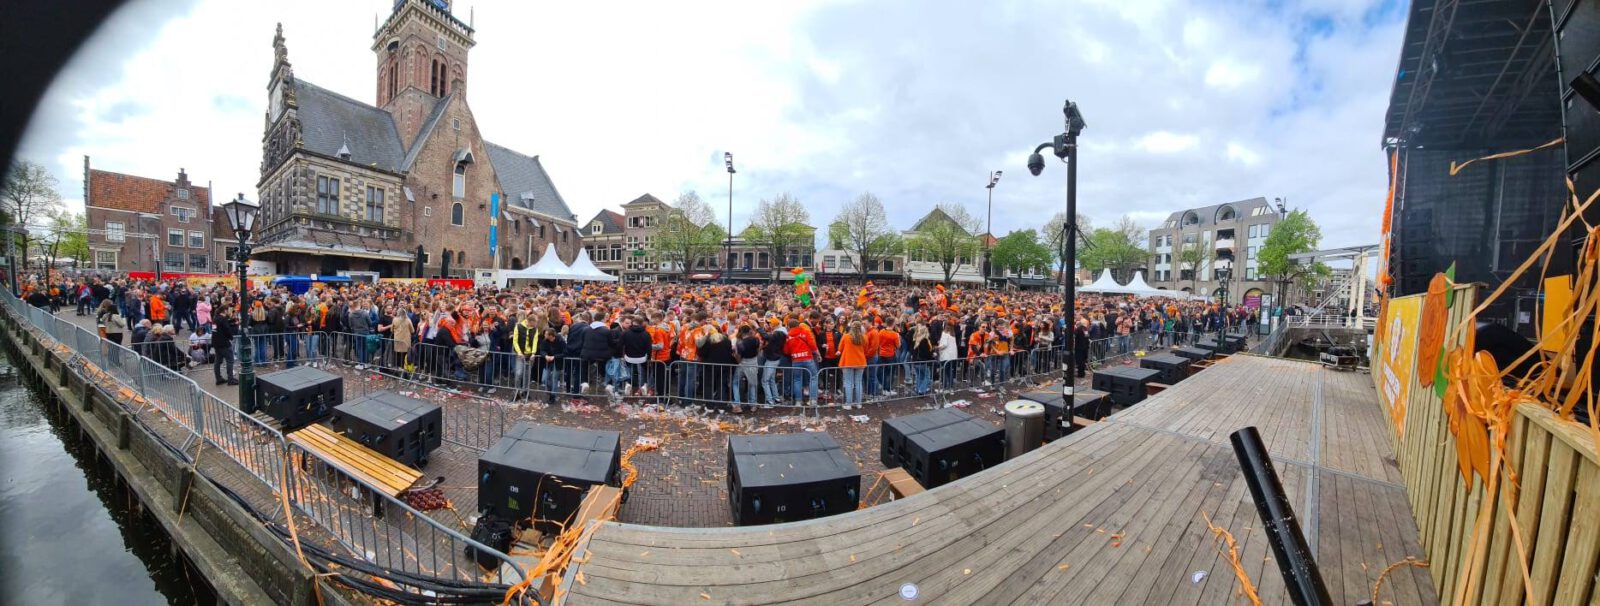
<point>1193,354</point>
<point>1209,345</point>
<point>1173,368</point>
<point>788,477</point>
<point>1236,341</point>
<point>542,472</point>
<point>401,428</point>
<point>941,446</point>
<point>1126,384</point>
<point>299,396</point>
<point>1086,403</point>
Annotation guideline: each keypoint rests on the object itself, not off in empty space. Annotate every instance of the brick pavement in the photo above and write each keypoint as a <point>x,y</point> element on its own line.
<point>682,484</point>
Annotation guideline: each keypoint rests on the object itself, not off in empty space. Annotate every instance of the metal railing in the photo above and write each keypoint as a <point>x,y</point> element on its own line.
<point>373,526</point>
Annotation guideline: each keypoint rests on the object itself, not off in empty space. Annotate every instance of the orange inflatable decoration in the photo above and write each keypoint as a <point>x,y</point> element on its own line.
<point>1435,314</point>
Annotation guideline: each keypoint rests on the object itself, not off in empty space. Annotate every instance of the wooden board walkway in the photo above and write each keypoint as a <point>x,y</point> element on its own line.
<point>1109,515</point>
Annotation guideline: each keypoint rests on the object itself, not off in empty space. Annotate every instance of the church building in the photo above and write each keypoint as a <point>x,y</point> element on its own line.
<point>406,188</point>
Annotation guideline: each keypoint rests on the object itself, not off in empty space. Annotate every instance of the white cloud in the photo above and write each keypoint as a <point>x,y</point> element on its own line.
<point>1237,152</point>
<point>1163,142</point>
<point>913,101</point>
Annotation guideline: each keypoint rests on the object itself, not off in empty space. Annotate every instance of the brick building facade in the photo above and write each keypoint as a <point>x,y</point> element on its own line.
<point>407,188</point>
<point>142,224</point>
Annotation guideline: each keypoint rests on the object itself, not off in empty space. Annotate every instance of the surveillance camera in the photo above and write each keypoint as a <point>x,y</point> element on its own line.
<point>1035,164</point>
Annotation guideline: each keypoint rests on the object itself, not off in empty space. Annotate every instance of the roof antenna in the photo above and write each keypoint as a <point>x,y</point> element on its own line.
<point>472,17</point>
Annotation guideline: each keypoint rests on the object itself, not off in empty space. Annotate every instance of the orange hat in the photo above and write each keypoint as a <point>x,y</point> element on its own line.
<point>797,271</point>
<point>939,287</point>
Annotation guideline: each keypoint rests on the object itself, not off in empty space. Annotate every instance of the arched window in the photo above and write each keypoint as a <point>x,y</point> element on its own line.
<point>456,214</point>
<point>433,78</point>
<point>458,187</point>
<point>1225,214</point>
<point>461,257</point>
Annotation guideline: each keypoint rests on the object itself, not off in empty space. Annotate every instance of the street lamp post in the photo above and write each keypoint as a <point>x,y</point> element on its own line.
<point>241,215</point>
<point>1222,306</point>
<point>727,243</point>
<point>1065,147</point>
<point>988,263</point>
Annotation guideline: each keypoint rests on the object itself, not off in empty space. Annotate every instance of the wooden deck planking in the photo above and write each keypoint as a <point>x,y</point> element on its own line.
<point>1003,536</point>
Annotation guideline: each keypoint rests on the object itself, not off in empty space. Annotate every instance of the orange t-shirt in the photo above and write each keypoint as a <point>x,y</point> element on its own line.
<point>686,347</point>
<point>853,354</point>
<point>158,308</point>
<point>888,342</point>
<point>975,344</point>
<point>659,336</point>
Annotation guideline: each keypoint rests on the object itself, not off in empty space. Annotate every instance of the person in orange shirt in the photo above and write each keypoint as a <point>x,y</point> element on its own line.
<point>660,353</point>
<point>158,309</point>
<point>977,351</point>
<point>884,348</point>
<point>853,362</point>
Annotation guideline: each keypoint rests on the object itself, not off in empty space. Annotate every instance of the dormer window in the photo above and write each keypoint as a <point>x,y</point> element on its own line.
<point>595,229</point>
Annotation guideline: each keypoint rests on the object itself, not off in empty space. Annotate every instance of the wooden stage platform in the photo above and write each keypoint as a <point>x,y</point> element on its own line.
<point>1109,515</point>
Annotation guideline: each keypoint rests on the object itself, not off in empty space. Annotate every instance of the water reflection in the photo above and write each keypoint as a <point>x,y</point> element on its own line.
<point>67,533</point>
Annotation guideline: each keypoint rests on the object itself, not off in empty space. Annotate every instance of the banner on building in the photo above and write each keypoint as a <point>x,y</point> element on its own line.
<point>494,224</point>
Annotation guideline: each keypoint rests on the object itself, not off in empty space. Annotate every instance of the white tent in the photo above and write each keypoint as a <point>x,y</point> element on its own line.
<point>1139,287</point>
<point>549,267</point>
<point>1104,284</point>
<point>583,269</point>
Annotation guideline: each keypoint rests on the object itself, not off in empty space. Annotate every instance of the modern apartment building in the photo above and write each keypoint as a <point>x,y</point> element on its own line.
<point>1227,236</point>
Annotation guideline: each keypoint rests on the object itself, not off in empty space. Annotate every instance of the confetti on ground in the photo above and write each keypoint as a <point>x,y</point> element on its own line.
<point>1063,567</point>
<point>705,596</point>
<point>966,571</point>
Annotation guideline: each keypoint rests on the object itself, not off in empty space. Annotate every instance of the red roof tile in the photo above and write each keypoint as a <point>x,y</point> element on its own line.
<point>133,193</point>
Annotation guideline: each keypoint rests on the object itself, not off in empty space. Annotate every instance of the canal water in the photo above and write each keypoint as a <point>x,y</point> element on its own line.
<point>68,533</point>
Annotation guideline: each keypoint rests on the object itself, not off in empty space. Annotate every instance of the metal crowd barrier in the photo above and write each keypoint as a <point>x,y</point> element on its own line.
<point>373,526</point>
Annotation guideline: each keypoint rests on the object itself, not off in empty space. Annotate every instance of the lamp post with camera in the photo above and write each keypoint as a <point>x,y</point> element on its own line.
<point>1065,147</point>
<point>1223,273</point>
<point>241,214</point>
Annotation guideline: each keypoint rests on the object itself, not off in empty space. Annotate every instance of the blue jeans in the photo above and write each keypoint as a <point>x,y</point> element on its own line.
<point>361,348</point>
<point>748,375</point>
<point>293,346</point>
<point>852,384</point>
<point>769,380</point>
<point>313,346</point>
<point>804,377</point>
<point>924,374</point>
<point>261,349</point>
<point>947,373</point>
<point>874,372</point>
<point>1000,365</point>
<point>691,379</point>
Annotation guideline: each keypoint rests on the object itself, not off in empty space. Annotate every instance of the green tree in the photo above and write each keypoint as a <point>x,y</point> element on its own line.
<point>1119,248</point>
<point>862,227</point>
<point>1022,251</point>
<point>1053,235</point>
<point>1295,233</point>
<point>689,233</point>
<point>780,225</point>
<point>1190,256</point>
<point>29,192</point>
<point>947,237</point>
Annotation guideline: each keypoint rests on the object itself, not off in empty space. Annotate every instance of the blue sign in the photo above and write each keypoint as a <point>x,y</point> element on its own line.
<point>494,223</point>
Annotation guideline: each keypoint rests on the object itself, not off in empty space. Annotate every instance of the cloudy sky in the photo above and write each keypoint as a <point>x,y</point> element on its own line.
<point>1188,102</point>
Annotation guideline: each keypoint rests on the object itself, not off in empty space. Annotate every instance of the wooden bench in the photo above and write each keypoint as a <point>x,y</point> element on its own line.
<point>357,461</point>
<point>1151,389</point>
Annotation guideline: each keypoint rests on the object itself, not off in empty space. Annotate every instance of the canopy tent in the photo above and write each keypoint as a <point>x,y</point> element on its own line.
<point>1139,287</point>
<point>549,267</point>
<point>583,269</point>
<point>1104,284</point>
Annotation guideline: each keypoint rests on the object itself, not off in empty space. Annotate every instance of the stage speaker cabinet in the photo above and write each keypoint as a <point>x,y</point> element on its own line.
<point>1125,384</point>
<point>1087,403</point>
<point>299,396</point>
<point>399,427</point>
<point>789,477</point>
<point>541,472</point>
<point>1236,341</point>
<point>1193,354</point>
<point>1173,368</point>
<point>1209,344</point>
<point>941,446</point>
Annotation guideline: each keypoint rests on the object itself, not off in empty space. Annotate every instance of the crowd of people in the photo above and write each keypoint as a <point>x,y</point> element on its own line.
<point>711,345</point>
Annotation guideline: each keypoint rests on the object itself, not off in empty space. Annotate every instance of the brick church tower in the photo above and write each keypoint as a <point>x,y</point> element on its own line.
<point>421,58</point>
